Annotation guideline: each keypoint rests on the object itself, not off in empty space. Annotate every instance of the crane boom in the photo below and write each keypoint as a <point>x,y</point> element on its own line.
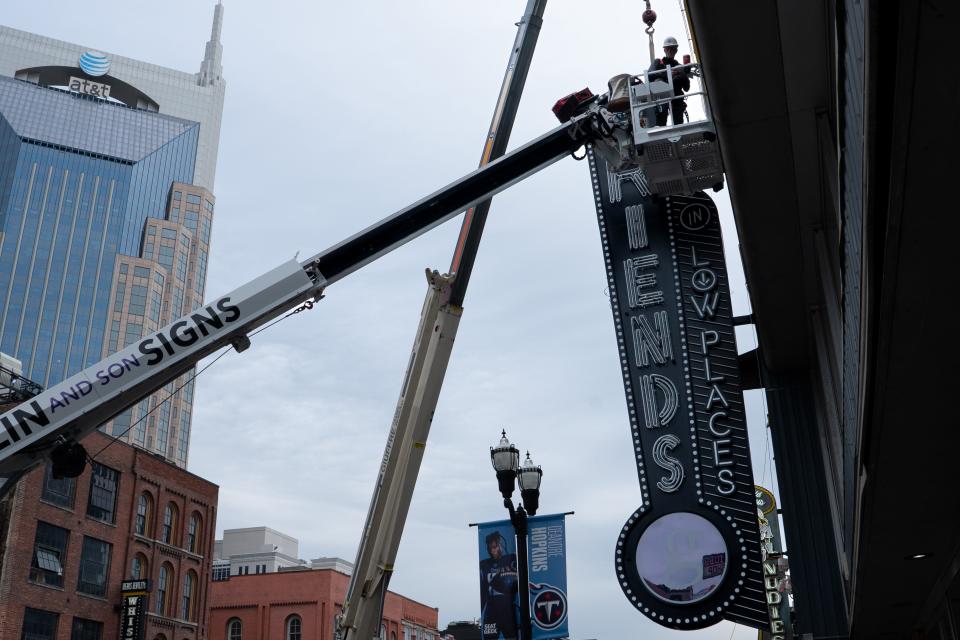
<point>78,405</point>
<point>423,379</point>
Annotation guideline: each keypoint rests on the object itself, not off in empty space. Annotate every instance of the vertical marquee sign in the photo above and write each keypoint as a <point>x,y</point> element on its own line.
<point>689,556</point>
<point>133,611</point>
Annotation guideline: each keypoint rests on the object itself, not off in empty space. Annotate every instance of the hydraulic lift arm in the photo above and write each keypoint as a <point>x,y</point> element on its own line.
<point>73,408</point>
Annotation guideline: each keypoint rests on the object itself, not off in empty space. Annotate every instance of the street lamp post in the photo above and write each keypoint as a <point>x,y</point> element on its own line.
<point>506,462</point>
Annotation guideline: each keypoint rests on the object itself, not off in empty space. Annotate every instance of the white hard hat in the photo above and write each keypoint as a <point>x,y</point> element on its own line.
<point>670,42</point>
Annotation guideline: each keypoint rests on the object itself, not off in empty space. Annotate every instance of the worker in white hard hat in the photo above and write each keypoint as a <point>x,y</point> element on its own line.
<point>681,81</point>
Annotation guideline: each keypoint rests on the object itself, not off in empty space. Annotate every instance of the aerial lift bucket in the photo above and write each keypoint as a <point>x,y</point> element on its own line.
<point>676,159</point>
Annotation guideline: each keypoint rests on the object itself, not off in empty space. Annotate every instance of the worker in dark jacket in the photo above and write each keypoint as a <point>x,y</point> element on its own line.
<point>681,81</point>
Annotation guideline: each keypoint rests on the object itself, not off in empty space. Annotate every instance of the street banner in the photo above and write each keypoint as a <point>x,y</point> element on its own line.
<point>499,578</point>
<point>689,555</point>
<point>499,586</point>
<point>547,551</point>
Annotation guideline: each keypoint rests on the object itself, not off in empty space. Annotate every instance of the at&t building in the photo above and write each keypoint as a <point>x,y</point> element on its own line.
<point>107,167</point>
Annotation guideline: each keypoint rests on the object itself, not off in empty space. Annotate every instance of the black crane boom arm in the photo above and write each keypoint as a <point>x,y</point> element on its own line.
<point>73,408</point>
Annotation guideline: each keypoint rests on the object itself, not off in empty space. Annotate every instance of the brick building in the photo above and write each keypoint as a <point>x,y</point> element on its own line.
<point>67,544</point>
<point>302,605</point>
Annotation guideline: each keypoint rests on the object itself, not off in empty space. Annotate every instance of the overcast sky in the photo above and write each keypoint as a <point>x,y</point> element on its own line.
<point>336,117</point>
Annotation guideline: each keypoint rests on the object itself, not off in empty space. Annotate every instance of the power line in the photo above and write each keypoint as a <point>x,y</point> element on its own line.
<point>116,438</point>
<point>306,306</point>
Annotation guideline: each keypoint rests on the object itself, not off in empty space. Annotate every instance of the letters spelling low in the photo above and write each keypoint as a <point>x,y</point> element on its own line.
<point>652,346</point>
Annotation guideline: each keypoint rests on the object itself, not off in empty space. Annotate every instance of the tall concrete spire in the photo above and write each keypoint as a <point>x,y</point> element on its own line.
<point>211,69</point>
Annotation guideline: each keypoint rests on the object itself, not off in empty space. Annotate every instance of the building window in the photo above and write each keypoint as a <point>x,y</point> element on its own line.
<point>118,300</point>
<point>294,626</point>
<point>163,430</point>
<point>121,423</point>
<point>156,299</point>
<point>103,493</point>
<point>165,256</point>
<point>235,630</point>
<point>138,567</point>
<point>114,343</point>
<point>193,534</point>
<point>86,630</point>
<point>182,266</point>
<point>163,582</point>
<point>186,608</point>
<point>133,333</point>
<point>39,625</point>
<point>183,437</point>
<point>94,567</point>
<point>144,509</point>
<point>58,491</point>
<point>141,272</point>
<point>193,198</point>
<point>221,572</point>
<point>49,555</point>
<point>138,300</point>
<point>383,632</point>
<point>177,195</point>
<point>169,534</point>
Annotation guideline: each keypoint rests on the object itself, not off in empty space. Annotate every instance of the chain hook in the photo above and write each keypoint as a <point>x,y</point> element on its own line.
<point>649,17</point>
<point>306,306</point>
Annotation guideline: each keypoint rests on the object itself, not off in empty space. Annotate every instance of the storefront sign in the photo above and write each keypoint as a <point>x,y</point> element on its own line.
<point>89,87</point>
<point>776,584</point>
<point>134,609</point>
<point>689,556</point>
<point>766,503</point>
<point>772,580</point>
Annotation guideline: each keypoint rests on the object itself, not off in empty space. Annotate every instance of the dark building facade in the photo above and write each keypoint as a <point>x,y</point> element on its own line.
<point>66,545</point>
<point>831,119</point>
<point>462,630</point>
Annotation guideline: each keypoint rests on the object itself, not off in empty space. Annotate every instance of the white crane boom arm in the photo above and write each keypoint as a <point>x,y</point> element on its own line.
<point>87,399</point>
<point>402,456</point>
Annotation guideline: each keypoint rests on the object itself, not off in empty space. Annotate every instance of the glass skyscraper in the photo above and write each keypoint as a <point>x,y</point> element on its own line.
<point>105,212</point>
